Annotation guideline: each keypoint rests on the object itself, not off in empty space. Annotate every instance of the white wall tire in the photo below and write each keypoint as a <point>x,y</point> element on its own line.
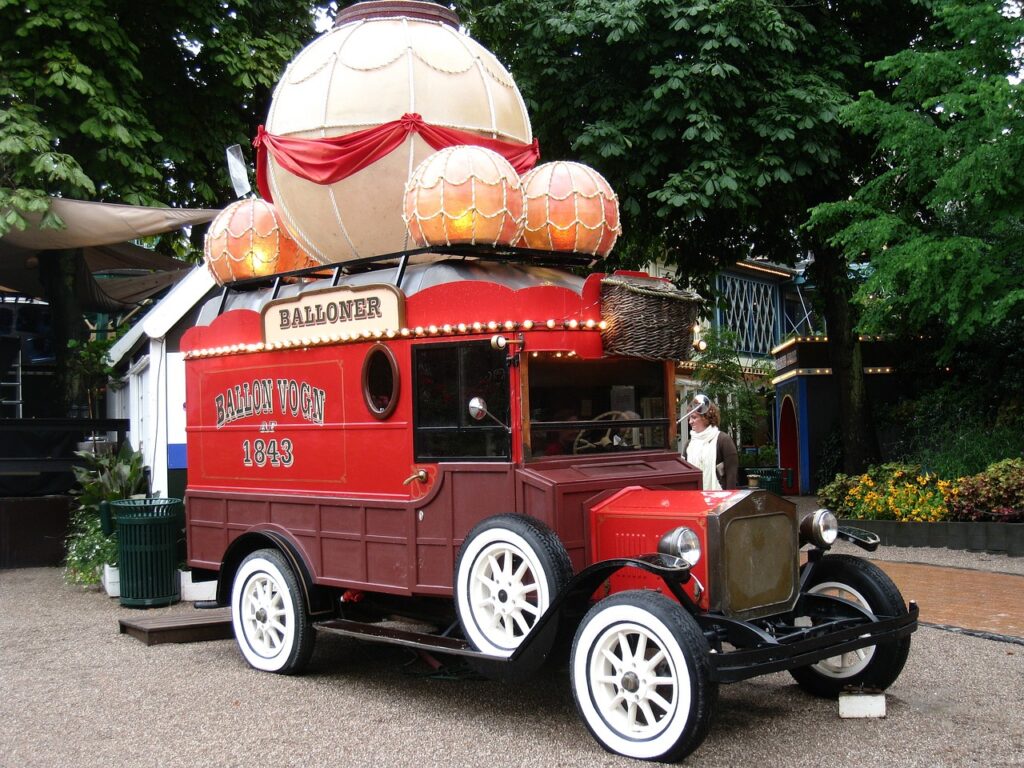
<point>641,677</point>
<point>268,613</point>
<point>865,584</point>
<point>851,663</point>
<point>509,570</point>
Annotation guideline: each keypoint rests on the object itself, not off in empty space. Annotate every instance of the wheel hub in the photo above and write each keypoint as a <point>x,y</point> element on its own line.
<point>261,615</point>
<point>630,682</point>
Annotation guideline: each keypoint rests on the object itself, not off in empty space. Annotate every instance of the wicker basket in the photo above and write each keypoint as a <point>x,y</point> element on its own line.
<point>647,318</point>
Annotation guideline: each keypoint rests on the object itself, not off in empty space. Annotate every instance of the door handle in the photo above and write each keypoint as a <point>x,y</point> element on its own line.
<point>419,474</point>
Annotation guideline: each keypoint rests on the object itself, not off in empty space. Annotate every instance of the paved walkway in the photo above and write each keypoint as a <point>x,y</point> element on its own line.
<point>980,601</point>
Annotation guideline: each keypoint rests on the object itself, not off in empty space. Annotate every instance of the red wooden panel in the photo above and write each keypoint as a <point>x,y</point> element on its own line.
<point>294,517</point>
<point>248,512</point>
<point>205,510</point>
<point>343,559</point>
<point>434,566</point>
<point>387,564</point>
<point>341,519</point>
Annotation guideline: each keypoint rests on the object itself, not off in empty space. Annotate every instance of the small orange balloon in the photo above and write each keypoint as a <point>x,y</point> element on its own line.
<point>464,194</point>
<point>248,240</point>
<point>569,207</point>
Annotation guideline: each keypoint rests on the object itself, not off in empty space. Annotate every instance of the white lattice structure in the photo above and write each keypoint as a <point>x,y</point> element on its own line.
<point>752,311</point>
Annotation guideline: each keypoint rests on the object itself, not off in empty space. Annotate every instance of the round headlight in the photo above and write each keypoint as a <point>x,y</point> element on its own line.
<point>681,542</point>
<point>820,528</point>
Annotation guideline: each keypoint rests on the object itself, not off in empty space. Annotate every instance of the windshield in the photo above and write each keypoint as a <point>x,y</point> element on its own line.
<point>596,406</point>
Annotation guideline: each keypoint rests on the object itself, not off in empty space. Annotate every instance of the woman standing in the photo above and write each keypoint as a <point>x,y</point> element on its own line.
<point>712,451</point>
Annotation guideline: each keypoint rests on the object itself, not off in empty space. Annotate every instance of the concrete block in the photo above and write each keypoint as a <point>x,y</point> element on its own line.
<point>861,704</point>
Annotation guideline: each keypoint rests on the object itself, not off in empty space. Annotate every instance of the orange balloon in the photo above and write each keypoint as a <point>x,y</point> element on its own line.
<point>248,240</point>
<point>569,207</point>
<point>464,194</point>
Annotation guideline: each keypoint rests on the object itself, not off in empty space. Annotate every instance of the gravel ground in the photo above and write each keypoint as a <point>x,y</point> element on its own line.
<point>75,692</point>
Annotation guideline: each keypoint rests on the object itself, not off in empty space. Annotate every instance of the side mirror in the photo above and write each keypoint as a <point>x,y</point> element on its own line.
<point>478,408</point>
<point>478,411</point>
<point>701,404</point>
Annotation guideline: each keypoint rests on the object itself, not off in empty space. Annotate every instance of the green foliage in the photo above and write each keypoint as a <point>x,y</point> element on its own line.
<point>715,121</point>
<point>956,430</point>
<point>889,492</point>
<point>997,494</point>
<point>113,101</point>
<point>89,369</point>
<point>102,478</point>
<point>739,393</point>
<point>764,456</point>
<point>940,215</point>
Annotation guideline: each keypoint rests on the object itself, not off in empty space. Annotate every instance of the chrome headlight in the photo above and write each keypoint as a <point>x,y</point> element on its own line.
<point>820,528</point>
<point>681,542</point>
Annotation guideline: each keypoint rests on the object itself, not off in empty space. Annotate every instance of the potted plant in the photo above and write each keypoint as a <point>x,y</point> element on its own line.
<point>103,477</point>
<point>88,370</point>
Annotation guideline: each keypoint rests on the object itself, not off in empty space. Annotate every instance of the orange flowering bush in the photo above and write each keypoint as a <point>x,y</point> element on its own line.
<point>890,492</point>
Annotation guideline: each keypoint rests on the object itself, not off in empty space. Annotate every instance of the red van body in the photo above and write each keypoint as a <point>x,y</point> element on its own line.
<point>491,448</point>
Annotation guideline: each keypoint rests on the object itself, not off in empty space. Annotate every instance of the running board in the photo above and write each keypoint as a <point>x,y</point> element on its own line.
<point>391,636</point>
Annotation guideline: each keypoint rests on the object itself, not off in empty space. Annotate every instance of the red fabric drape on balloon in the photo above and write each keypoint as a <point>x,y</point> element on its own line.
<point>325,161</point>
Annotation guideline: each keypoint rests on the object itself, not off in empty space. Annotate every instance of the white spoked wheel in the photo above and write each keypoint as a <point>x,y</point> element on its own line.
<point>269,616</point>
<point>864,584</point>
<point>509,570</point>
<point>850,663</point>
<point>641,677</point>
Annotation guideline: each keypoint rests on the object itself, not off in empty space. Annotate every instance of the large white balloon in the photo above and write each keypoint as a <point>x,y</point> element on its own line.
<point>383,59</point>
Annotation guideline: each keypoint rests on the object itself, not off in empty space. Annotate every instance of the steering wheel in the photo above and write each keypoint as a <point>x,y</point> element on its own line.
<point>581,443</point>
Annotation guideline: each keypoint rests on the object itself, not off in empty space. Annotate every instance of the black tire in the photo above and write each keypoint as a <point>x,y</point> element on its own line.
<point>507,574</point>
<point>268,612</point>
<point>654,705</point>
<point>875,667</point>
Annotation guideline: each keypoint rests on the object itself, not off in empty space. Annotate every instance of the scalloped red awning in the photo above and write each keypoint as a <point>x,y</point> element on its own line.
<point>325,161</point>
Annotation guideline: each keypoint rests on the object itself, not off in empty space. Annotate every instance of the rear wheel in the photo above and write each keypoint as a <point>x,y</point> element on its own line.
<point>509,570</point>
<point>641,677</point>
<point>268,612</point>
<point>876,666</point>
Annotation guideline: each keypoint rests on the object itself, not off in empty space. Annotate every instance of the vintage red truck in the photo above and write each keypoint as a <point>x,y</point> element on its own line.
<point>490,446</point>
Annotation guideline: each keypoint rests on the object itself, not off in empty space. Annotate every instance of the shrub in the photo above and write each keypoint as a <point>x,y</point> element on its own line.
<point>997,494</point>
<point>951,433</point>
<point>889,492</point>
<point>102,478</point>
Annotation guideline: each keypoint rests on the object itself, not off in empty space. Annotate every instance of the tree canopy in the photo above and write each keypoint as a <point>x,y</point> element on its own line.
<point>134,102</point>
<point>939,219</point>
<point>716,121</point>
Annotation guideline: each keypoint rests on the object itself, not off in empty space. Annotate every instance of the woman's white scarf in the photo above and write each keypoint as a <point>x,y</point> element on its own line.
<point>701,451</point>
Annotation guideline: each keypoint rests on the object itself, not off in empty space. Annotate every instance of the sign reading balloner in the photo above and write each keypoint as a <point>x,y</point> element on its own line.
<point>332,311</point>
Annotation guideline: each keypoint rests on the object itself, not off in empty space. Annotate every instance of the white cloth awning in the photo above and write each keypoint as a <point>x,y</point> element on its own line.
<point>87,224</point>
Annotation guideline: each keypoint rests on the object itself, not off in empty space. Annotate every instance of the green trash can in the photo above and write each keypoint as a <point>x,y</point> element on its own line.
<point>147,549</point>
<point>769,478</point>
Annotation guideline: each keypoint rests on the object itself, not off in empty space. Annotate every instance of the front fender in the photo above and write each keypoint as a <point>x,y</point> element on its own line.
<point>559,622</point>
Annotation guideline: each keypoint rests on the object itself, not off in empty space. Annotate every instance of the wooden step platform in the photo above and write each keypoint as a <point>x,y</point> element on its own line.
<point>195,627</point>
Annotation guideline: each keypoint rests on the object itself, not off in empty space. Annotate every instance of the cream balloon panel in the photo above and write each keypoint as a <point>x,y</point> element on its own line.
<point>365,74</point>
<point>371,73</point>
<point>355,218</point>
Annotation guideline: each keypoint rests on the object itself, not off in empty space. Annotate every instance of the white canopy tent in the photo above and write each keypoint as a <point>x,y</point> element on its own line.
<point>103,232</point>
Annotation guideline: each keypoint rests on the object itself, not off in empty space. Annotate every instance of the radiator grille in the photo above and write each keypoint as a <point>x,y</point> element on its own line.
<point>760,567</point>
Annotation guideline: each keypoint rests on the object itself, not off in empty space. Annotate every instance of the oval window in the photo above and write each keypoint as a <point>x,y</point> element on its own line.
<point>380,381</point>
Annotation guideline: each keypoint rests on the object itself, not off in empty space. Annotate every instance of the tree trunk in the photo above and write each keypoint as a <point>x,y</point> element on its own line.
<point>856,427</point>
<point>58,272</point>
